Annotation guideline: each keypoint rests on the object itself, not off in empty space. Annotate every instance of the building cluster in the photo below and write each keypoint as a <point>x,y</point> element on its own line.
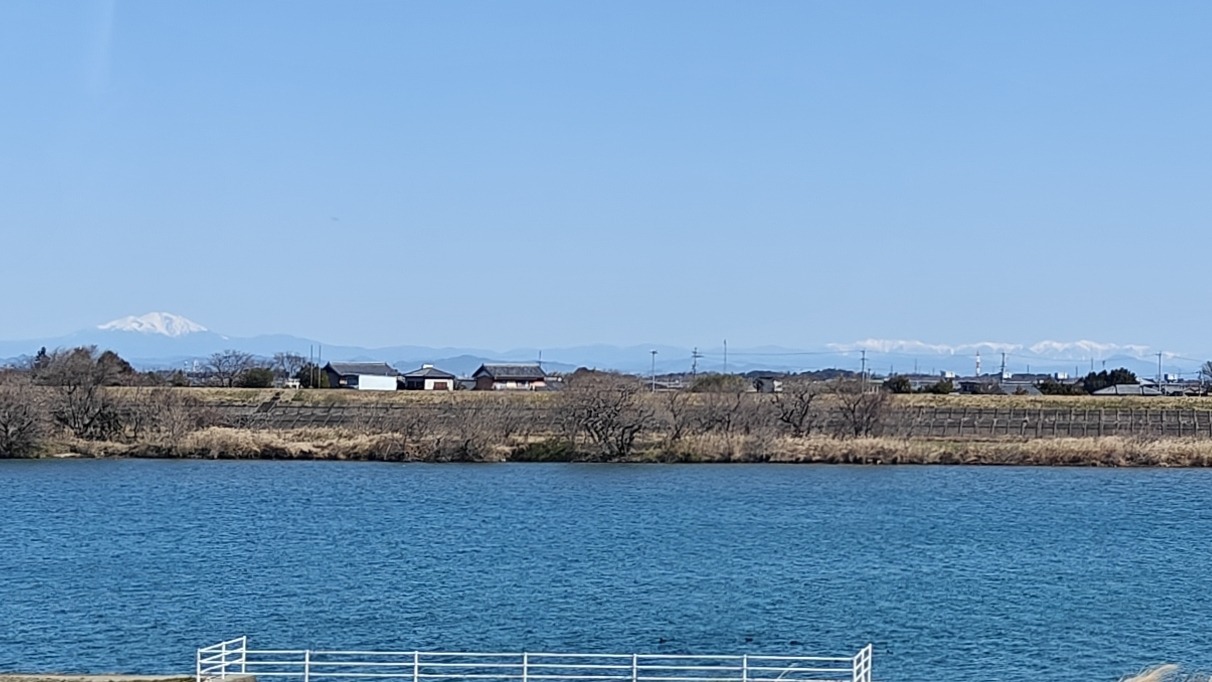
<point>1006,383</point>
<point>380,376</point>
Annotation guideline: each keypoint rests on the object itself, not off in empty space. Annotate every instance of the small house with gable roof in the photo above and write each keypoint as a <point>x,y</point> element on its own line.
<point>362,376</point>
<point>509,377</point>
<point>428,378</point>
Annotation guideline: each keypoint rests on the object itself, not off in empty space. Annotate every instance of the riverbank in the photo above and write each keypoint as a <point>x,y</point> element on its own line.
<point>341,444</point>
<point>601,417</point>
<point>252,397</point>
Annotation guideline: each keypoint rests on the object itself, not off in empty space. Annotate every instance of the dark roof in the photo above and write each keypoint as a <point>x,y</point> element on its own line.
<point>1019,387</point>
<point>429,372</point>
<point>511,371</point>
<point>381,369</point>
<point>1127,389</point>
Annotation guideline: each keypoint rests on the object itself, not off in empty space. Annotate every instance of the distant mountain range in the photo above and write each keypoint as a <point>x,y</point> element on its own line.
<point>165,340</point>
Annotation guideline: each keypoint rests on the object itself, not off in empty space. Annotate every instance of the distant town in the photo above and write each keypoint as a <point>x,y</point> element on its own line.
<point>237,369</point>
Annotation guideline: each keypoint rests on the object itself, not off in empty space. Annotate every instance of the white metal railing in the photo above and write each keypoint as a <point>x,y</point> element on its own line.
<point>233,658</point>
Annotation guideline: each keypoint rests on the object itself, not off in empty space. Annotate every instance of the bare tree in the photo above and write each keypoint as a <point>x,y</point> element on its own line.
<point>611,409</point>
<point>162,415</point>
<point>77,379</point>
<point>860,406</point>
<point>466,431</point>
<point>227,366</point>
<point>795,405</point>
<point>22,417</point>
<point>678,412</point>
<point>288,365</point>
<point>720,412</point>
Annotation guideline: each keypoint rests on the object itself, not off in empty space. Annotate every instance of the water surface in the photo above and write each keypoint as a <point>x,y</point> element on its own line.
<point>953,573</point>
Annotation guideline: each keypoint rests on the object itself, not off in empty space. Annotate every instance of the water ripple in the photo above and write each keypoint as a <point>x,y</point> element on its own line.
<point>998,573</point>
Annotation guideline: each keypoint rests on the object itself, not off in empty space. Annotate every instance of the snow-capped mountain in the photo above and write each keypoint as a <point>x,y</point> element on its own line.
<point>164,324</point>
<point>163,339</point>
<point>1047,350</point>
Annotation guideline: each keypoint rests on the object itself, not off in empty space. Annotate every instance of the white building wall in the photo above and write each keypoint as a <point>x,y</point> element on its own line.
<point>518,385</point>
<point>429,384</point>
<point>370,382</point>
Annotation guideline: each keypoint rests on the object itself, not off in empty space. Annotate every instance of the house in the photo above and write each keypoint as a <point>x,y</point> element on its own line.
<point>1128,389</point>
<point>428,378</point>
<point>510,377</point>
<point>362,376</point>
<point>1018,387</point>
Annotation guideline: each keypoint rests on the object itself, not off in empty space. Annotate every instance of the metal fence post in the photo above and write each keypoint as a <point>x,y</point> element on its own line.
<point>416,666</point>
<point>223,659</point>
<point>244,655</point>
<point>635,667</point>
<point>307,666</point>
<point>745,668</point>
<point>861,665</point>
<point>525,667</point>
<point>198,666</point>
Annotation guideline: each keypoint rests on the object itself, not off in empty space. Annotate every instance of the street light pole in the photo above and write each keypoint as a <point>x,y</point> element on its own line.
<point>654,353</point>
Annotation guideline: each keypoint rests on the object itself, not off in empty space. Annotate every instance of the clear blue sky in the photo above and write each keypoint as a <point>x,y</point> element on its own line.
<point>548,173</point>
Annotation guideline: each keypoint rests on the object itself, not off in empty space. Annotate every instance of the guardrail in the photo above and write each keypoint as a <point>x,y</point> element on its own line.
<point>233,658</point>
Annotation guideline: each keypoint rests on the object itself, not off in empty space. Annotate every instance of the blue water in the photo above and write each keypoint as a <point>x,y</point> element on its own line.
<point>953,573</point>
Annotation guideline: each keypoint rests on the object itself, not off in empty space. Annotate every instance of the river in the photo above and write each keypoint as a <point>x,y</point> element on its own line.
<point>952,572</point>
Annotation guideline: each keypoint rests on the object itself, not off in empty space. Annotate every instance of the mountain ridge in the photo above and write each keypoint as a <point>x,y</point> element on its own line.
<point>166,340</point>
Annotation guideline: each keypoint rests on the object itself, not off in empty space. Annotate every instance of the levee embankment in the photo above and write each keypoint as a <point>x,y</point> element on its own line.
<point>613,420</point>
<point>909,421</point>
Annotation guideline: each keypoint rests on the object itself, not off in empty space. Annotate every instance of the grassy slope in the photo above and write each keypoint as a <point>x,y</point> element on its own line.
<point>251,396</point>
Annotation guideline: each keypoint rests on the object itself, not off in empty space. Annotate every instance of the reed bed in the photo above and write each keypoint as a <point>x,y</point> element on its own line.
<point>346,444</point>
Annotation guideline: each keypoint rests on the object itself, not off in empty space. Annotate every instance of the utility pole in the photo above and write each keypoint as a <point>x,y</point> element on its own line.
<point>1159,372</point>
<point>654,370</point>
<point>694,363</point>
<point>725,356</point>
<point>864,352</point>
<point>1003,363</point>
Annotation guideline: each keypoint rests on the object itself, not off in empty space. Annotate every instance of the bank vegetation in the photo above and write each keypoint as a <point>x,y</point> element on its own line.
<point>69,404</point>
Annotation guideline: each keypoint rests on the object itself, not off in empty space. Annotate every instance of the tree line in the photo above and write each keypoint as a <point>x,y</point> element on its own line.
<point>225,369</point>
<point>78,397</point>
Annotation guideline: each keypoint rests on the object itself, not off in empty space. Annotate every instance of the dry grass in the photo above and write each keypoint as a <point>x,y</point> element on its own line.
<point>1104,452</point>
<point>310,443</point>
<point>1079,402</point>
<point>254,396</point>
<point>345,444</point>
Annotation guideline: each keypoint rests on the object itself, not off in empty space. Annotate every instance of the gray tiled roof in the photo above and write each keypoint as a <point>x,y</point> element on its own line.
<point>429,373</point>
<point>511,371</point>
<point>1127,389</point>
<point>381,369</point>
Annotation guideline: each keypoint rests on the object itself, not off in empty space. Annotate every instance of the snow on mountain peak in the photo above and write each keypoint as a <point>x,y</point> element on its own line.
<point>164,324</point>
<point>1054,350</point>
